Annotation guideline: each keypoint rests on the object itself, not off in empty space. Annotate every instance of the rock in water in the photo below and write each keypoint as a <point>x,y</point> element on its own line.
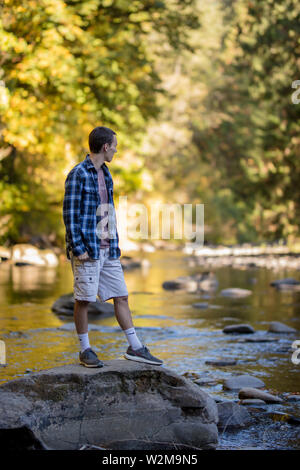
<point>232,416</point>
<point>65,306</point>
<point>248,392</point>
<point>278,327</point>
<point>125,404</point>
<point>240,381</point>
<point>221,362</point>
<point>235,292</point>
<point>287,281</point>
<point>242,328</point>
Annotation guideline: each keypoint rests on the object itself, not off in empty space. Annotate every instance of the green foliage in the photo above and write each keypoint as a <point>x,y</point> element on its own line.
<point>256,142</point>
<point>65,67</point>
<point>198,92</point>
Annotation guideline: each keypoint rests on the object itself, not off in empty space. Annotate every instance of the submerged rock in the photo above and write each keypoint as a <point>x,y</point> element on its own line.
<point>65,306</point>
<point>221,362</point>
<point>257,339</point>
<point>121,405</point>
<point>200,305</point>
<point>235,293</point>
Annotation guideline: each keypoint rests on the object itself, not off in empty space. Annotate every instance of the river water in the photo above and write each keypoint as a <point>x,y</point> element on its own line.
<point>183,336</point>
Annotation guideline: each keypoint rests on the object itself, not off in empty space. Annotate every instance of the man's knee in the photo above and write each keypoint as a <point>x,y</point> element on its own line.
<point>121,299</point>
<point>82,303</point>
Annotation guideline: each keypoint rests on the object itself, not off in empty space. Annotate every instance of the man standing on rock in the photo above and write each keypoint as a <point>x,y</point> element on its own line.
<point>92,245</point>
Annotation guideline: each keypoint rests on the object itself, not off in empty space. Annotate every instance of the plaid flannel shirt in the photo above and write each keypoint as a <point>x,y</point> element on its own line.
<point>80,211</point>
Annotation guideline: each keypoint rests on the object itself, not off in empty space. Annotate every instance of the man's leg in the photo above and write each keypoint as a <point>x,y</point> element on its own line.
<point>81,316</point>
<point>124,318</point>
<point>81,323</point>
<point>122,312</point>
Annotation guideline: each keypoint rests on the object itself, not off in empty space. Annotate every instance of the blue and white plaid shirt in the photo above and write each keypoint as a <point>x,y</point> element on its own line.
<point>80,212</point>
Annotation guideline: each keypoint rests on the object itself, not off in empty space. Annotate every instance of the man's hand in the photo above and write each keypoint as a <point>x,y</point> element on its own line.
<point>84,256</point>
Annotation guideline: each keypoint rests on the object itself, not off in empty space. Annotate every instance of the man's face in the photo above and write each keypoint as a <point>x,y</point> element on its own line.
<point>111,149</point>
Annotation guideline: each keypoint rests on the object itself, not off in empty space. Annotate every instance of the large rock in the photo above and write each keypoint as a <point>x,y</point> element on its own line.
<point>249,392</point>
<point>240,381</point>
<point>124,405</point>
<point>232,416</point>
<point>65,306</point>
<point>241,328</point>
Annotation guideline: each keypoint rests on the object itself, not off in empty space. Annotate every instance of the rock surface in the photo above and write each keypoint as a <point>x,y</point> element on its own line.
<point>124,405</point>
<point>240,381</point>
<point>249,392</point>
<point>252,401</point>
<point>278,327</point>
<point>221,362</point>
<point>232,415</point>
<point>241,328</point>
<point>65,306</point>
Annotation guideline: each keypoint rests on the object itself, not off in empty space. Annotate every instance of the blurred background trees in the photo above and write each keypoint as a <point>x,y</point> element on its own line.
<point>199,94</point>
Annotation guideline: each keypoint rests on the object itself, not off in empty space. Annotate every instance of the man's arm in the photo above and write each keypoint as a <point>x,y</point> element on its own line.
<point>71,212</point>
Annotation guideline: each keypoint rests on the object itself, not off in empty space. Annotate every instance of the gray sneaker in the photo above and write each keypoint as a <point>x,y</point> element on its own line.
<point>142,355</point>
<point>89,358</point>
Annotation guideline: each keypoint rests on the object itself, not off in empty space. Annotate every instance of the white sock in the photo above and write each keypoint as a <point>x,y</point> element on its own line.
<point>132,338</point>
<point>84,341</point>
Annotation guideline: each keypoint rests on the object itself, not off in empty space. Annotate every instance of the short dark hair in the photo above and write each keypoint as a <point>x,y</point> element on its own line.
<point>99,136</point>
